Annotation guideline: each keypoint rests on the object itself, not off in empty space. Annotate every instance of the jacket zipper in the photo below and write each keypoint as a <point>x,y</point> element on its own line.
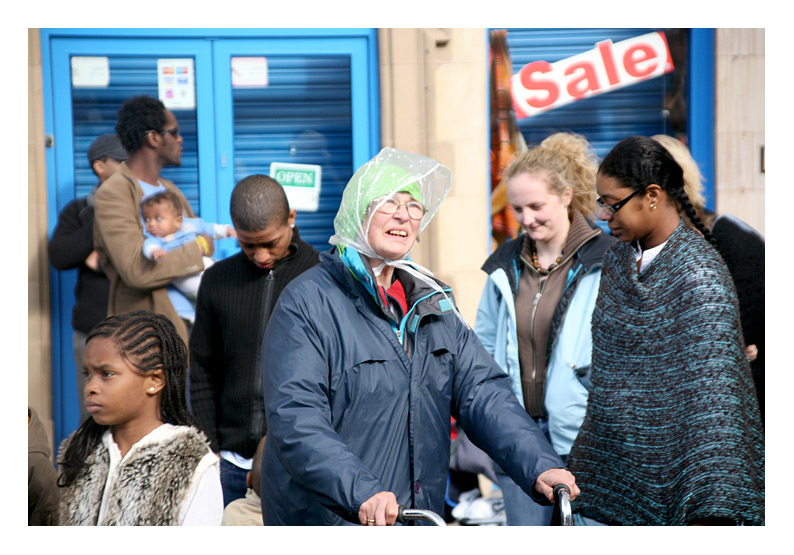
<point>541,286</point>
<point>257,417</point>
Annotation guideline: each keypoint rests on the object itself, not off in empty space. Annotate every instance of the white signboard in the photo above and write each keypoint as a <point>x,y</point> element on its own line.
<point>90,71</point>
<point>176,83</point>
<point>249,72</point>
<point>301,184</point>
<point>541,86</point>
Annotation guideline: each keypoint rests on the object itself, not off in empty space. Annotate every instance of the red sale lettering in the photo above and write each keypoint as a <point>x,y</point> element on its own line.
<point>589,78</point>
<point>605,48</point>
<point>541,86</point>
<point>635,56</point>
<point>534,85</point>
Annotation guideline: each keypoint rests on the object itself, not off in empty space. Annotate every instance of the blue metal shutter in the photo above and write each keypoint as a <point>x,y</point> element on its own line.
<point>303,116</point>
<point>95,112</point>
<point>604,119</point>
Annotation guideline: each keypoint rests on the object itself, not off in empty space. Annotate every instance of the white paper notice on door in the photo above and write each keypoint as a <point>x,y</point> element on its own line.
<point>176,83</point>
<point>249,72</point>
<point>90,72</point>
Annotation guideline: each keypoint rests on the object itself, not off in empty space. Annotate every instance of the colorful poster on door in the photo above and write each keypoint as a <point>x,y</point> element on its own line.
<point>176,83</point>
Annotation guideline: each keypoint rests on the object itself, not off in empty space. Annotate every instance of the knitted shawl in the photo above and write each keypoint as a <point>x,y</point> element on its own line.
<point>149,488</point>
<point>673,431</point>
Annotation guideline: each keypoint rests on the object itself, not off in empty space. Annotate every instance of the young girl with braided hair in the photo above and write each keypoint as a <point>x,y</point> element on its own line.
<point>672,434</point>
<point>139,459</point>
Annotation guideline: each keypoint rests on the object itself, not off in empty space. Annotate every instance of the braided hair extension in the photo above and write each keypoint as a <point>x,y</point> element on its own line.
<point>637,162</point>
<point>149,342</point>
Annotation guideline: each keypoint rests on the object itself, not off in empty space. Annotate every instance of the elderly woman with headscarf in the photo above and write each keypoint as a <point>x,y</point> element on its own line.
<point>368,357</point>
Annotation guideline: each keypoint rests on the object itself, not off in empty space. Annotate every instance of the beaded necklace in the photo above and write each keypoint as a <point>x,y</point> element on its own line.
<point>533,255</point>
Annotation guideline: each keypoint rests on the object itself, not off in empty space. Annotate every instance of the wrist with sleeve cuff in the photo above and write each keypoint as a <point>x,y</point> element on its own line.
<point>203,245</point>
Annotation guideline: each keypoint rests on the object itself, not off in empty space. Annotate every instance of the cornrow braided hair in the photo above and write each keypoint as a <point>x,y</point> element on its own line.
<point>149,342</point>
<point>637,162</point>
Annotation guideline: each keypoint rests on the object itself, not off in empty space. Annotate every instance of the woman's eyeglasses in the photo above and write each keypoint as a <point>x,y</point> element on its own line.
<point>612,208</point>
<point>390,206</point>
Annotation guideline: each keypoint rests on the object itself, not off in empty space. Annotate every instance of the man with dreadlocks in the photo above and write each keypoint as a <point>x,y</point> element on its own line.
<point>139,459</point>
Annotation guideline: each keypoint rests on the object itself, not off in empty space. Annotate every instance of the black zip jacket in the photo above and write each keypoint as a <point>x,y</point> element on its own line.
<point>233,307</point>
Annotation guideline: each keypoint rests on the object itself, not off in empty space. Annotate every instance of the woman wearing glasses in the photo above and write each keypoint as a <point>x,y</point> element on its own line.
<point>534,314</point>
<point>672,434</point>
<point>368,359</point>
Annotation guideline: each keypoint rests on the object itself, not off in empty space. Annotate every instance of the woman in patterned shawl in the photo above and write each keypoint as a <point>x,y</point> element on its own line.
<point>673,434</point>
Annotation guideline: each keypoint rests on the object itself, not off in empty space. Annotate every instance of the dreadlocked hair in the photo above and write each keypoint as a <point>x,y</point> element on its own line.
<point>637,162</point>
<point>148,341</point>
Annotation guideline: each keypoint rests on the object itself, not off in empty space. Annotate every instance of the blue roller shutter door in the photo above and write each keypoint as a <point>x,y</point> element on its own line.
<point>303,116</point>
<point>95,111</point>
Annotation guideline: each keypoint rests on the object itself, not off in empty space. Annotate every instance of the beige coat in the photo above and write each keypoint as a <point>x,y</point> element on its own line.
<point>137,283</point>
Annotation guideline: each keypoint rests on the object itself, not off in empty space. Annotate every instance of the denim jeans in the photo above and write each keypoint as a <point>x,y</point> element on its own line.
<point>233,481</point>
<point>520,509</point>
<point>581,520</point>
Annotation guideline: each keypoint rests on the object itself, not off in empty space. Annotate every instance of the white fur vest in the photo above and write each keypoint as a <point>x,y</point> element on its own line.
<point>149,488</point>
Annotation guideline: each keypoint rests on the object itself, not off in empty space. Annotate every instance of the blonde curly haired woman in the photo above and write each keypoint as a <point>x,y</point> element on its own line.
<point>534,314</point>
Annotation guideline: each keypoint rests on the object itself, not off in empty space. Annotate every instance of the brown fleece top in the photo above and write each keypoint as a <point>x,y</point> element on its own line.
<point>533,318</point>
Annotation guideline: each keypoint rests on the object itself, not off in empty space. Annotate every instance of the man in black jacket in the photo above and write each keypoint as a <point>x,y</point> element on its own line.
<point>72,246</point>
<point>235,300</point>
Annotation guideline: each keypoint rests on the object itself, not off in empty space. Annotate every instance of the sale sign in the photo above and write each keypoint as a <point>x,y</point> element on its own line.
<point>540,86</point>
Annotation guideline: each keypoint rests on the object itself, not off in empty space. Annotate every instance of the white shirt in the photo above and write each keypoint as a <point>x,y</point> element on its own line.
<point>203,505</point>
<point>647,256</point>
<point>237,460</point>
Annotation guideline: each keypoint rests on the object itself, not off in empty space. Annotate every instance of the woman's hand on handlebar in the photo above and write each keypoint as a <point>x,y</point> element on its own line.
<point>379,510</point>
<point>546,482</point>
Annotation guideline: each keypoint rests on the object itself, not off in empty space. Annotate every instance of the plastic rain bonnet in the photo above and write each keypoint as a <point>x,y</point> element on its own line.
<point>390,172</point>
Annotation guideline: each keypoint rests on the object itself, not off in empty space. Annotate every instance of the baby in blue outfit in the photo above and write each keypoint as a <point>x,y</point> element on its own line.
<point>167,229</point>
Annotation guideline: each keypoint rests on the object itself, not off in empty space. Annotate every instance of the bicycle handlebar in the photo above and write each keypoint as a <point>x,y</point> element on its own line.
<point>419,514</point>
<point>562,515</point>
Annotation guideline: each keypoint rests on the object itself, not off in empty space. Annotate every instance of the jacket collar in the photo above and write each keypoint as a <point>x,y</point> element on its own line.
<point>590,253</point>
<point>353,272</point>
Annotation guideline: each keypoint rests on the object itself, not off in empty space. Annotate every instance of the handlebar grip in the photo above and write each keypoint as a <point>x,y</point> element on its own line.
<point>404,514</point>
<point>562,515</point>
<point>561,487</point>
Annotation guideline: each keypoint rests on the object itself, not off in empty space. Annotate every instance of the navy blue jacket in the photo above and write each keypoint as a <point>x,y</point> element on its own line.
<point>352,412</point>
